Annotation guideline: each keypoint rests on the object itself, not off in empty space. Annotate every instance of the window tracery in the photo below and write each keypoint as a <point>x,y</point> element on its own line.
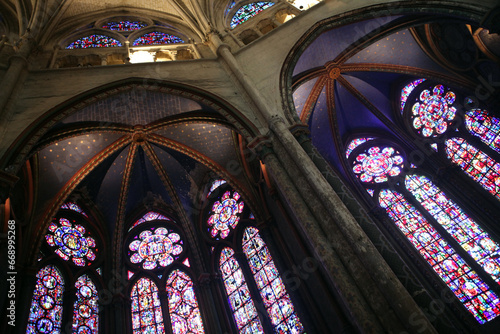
<point>248,11</point>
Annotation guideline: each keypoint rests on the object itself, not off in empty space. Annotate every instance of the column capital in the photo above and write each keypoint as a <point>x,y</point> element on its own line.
<point>261,145</point>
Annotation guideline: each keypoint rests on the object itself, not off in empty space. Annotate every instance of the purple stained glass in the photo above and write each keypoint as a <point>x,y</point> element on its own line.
<point>182,304</point>
<point>94,41</point>
<point>71,241</point>
<point>147,316</point>
<point>475,163</point>
<point>240,300</point>
<point>248,11</point>
<point>434,111</point>
<point>156,38</point>
<point>150,216</point>
<point>376,164</point>
<point>74,207</point>
<point>86,308</point>
<point>225,214</point>
<point>474,294</point>
<point>486,127</point>
<point>47,303</point>
<point>272,290</point>
<point>216,184</point>
<point>124,25</point>
<point>471,237</point>
<point>406,91</point>
<point>155,248</point>
<point>355,143</point>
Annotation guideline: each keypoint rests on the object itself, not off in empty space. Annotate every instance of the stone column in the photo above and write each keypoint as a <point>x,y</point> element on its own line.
<point>54,56</point>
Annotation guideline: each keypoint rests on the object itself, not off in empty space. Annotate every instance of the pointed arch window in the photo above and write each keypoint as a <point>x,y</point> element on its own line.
<point>248,11</point>
<point>147,315</point>
<point>85,310</point>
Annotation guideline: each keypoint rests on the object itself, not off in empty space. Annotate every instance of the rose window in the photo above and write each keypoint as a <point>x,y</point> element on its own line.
<point>72,242</point>
<point>155,248</point>
<point>225,214</point>
<point>375,164</point>
<point>433,113</point>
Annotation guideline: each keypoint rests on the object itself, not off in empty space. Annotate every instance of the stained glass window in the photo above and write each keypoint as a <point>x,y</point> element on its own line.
<point>71,242</point>
<point>74,207</point>
<point>216,184</point>
<point>46,306</point>
<point>155,247</point>
<point>86,308</point>
<point>486,127</point>
<point>156,37</point>
<point>150,216</point>
<point>225,214</point>
<point>182,304</point>
<point>247,11</point>
<point>240,301</point>
<point>231,5</point>
<point>147,316</point>
<point>473,239</point>
<point>272,290</point>
<point>124,25</point>
<point>473,292</point>
<point>355,143</point>
<point>433,112</point>
<point>94,41</point>
<point>475,163</point>
<point>406,91</point>
<point>377,163</point>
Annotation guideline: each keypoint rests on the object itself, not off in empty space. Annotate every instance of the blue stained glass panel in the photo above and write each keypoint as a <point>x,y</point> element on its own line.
<point>247,11</point>
<point>486,127</point>
<point>74,207</point>
<point>94,41</point>
<point>124,25</point>
<point>156,38</point>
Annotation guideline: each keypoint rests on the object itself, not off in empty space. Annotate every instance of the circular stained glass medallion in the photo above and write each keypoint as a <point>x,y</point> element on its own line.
<point>376,164</point>
<point>225,214</point>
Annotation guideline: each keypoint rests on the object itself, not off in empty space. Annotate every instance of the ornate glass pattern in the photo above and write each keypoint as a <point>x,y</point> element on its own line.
<point>376,163</point>
<point>355,143</point>
<point>94,41</point>
<point>150,216</point>
<point>434,111</point>
<point>216,184</point>
<point>240,301</point>
<point>247,11</point>
<point>46,305</point>
<point>272,290</point>
<point>474,294</point>
<point>461,227</point>
<point>86,309</point>
<point>477,164</point>
<point>486,127</point>
<point>156,37</point>
<point>182,304</point>
<point>225,214</point>
<point>74,207</point>
<point>147,316</point>
<point>231,5</point>
<point>155,247</point>
<point>71,242</point>
<point>124,25</point>
<point>406,91</point>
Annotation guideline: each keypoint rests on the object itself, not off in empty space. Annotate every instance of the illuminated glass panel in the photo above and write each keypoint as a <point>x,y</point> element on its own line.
<point>124,25</point>
<point>147,316</point>
<point>272,290</point>
<point>94,41</point>
<point>376,164</point>
<point>461,227</point>
<point>72,242</point>
<point>150,216</point>
<point>216,184</point>
<point>156,37</point>
<point>86,308</point>
<point>155,247</point>
<point>74,207</point>
<point>433,113</point>
<point>355,143</point>
<point>231,5</point>
<point>406,91</point>
<point>474,294</point>
<point>486,127</point>
<point>247,11</point>
<point>477,164</point>
<point>225,214</point>
<point>182,304</point>
<point>46,305</point>
<point>244,311</point>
